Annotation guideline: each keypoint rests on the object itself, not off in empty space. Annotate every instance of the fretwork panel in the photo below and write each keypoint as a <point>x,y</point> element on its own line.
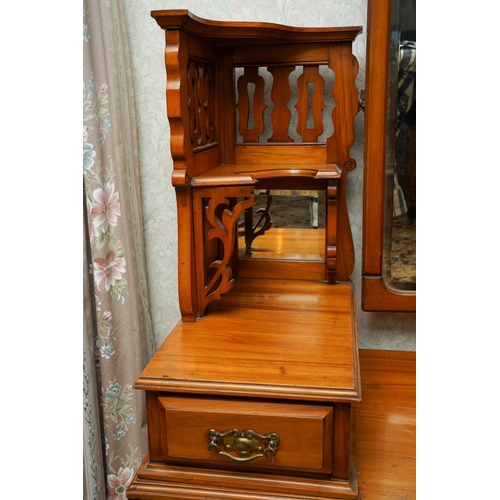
<point>200,103</point>
<point>281,104</point>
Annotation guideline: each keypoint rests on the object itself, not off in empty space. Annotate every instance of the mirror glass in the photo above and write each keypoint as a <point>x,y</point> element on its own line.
<point>399,255</point>
<point>285,225</point>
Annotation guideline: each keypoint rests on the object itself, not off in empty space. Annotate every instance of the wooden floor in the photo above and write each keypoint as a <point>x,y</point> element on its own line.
<point>385,426</point>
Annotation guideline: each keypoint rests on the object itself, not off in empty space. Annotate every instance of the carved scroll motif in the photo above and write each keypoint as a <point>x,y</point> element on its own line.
<point>200,103</point>
<point>223,223</point>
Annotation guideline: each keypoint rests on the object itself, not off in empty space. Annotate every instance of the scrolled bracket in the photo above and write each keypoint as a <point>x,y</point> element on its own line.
<point>243,446</point>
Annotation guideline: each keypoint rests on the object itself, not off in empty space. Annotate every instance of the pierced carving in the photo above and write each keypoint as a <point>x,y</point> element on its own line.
<point>285,106</point>
<point>200,103</point>
<point>310,104</point>
<point>251,105</point>
<point>222,215</point>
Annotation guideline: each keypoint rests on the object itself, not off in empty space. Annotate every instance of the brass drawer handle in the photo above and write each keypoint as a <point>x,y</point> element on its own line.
<point>247,445</point>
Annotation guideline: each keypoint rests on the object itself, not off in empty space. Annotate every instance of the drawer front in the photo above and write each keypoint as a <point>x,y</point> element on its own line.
<point>247,433</point>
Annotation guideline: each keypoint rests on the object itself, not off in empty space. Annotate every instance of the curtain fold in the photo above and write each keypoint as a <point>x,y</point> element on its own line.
<point>118,337</point>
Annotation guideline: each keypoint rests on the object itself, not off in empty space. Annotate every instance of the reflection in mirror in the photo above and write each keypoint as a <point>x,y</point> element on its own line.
<point>284,225</point>
<point>399,256</point>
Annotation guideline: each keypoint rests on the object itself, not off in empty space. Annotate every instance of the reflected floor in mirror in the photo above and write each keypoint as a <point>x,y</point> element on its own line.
<point>294,211</point>
<point>404,264</point>
<point>297,231</point>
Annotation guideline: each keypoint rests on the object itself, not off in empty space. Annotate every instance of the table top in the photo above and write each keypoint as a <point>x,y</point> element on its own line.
<point>268,338</point>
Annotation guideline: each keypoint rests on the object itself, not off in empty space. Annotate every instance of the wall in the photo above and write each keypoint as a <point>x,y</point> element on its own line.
<point>393,331</point>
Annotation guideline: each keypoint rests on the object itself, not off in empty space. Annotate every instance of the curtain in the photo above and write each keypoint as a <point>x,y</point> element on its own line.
<point>117,338</point>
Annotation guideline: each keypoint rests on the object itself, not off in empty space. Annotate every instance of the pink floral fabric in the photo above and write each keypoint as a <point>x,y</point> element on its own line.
<point>118,337</point>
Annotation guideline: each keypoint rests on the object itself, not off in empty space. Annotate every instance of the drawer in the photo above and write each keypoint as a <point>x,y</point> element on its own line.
<point>247,433</point>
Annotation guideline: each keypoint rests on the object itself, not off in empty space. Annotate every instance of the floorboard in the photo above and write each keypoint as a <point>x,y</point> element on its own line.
<point>385,426</point>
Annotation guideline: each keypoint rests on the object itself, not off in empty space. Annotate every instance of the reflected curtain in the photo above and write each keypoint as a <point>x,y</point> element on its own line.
<point>117,337</point>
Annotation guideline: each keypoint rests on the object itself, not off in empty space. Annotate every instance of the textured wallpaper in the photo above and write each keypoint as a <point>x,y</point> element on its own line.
<point>394,331</point>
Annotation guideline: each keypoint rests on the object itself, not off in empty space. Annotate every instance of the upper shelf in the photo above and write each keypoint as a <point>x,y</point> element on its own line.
<point>250,32</point>
<point>249,174</point>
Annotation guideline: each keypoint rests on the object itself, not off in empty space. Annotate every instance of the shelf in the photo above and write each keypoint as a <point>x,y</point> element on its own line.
<point>249,174</point>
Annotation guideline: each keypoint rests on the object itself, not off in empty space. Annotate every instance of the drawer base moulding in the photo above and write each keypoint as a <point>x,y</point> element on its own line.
<point>159,481</point>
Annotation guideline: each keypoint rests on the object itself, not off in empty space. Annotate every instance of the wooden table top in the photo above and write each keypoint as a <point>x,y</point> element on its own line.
<point>265,338</point>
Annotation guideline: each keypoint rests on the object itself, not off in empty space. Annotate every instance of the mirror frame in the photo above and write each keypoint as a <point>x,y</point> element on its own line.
<point>376,295</point>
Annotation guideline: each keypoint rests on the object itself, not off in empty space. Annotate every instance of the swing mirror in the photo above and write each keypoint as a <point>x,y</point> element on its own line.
<point>389,212</point>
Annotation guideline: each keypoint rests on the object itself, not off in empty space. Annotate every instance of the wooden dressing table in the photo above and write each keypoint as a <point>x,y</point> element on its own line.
<point>250,396</point>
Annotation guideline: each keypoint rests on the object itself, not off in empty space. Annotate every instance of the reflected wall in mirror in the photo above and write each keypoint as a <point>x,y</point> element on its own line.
<point>389,208</point>
<point>284,225</point>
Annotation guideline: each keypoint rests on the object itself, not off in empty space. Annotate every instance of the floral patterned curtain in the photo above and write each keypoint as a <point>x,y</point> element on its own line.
<point>118,337</point>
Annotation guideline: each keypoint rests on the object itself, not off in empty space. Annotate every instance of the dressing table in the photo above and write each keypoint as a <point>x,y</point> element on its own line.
<point>251,396</point>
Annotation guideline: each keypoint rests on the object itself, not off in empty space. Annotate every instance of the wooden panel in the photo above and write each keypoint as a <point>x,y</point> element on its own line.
<point>294,341</point>
<point>341,441</point>
<point>267,55</point>
<point>204,160</point>
<point>280,95</point>
<point>201,49</point>
<point>305,432</point>
<point>226,126</point>
<point>186,256</point>
<point>299,154</point>
<point>278,269</point>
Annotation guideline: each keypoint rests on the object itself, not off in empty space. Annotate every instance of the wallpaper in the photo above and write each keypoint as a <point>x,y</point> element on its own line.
<point>393,331</point>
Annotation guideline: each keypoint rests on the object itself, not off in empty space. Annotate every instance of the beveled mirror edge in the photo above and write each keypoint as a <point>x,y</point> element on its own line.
<point>376,295</point>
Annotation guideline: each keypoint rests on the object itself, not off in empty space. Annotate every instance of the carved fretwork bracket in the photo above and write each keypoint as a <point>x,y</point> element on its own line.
<point>216,218</point>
